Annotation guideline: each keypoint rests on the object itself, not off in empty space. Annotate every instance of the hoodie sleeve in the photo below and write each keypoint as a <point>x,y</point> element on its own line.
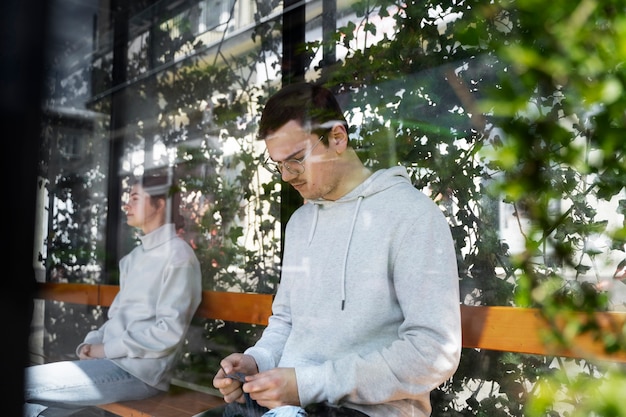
<point>96,336</point>
<point>269,349</point>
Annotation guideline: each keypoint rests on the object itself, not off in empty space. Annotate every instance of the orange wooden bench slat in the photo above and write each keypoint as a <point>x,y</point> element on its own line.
<point>230,306</point>
<point>106,294</point>
<point>239,307</point>
<point>220,305</point>
<point>523,330</point>
<point>70,293</point>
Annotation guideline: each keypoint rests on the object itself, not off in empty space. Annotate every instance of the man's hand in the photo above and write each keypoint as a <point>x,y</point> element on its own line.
<point>92,351</point>
<point>230,387</point>
<point>273,388</point>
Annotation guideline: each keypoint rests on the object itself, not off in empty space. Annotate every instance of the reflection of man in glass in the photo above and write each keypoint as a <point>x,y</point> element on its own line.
<point>366,320</point>
<point>132,354</point>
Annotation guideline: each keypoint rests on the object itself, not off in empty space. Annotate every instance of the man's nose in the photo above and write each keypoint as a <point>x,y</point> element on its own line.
<point>286,175</point>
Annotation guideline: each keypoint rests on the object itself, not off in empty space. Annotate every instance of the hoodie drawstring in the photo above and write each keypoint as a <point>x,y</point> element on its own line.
<point>345,258</point>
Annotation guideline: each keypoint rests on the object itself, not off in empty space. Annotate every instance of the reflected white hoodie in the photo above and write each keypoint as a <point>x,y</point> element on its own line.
<point>368,309</point>
<point>160,290</point>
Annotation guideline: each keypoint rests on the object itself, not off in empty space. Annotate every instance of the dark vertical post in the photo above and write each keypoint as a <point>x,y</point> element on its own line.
<point>329,27</point>
<point>293,66</point>
<point>23,30</point>
<point>119,13</point>
<point>294,61</point>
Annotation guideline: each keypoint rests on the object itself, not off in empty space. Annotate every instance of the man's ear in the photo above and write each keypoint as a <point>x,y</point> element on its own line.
<point>162,203</point>
<point>338,138</point>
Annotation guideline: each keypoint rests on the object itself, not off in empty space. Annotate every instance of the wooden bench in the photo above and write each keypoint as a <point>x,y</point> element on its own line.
<point>496,328</point>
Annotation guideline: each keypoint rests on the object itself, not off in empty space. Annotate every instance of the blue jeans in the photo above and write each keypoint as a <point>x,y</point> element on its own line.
<point>252,409</point>
<point>286,411</point>
<point>62,388</point>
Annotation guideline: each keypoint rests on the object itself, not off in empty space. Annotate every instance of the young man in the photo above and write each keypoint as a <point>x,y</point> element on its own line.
<point>132,354</point>
<point>366,320</point>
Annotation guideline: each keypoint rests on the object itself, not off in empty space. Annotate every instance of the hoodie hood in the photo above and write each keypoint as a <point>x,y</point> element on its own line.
<point>379,181</point>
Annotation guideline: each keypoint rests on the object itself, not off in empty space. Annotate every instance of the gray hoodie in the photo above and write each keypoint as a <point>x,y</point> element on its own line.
<point>368,309</point>
<point>160,290</point>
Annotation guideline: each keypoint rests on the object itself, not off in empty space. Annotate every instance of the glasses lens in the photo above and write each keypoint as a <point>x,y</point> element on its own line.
<point>294,166</point>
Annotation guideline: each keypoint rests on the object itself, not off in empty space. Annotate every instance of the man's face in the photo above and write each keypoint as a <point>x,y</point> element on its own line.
<point>139,212</point>
<point>302,150</point>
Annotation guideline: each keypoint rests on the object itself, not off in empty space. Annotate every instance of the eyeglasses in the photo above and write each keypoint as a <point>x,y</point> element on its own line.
<point>295,165</point>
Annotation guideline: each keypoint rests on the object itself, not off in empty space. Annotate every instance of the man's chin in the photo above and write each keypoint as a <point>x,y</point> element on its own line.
<point>301,189</point>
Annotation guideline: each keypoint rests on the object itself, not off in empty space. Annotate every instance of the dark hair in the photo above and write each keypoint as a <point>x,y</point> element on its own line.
<point>305,103</point>
<point>154,182</point>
